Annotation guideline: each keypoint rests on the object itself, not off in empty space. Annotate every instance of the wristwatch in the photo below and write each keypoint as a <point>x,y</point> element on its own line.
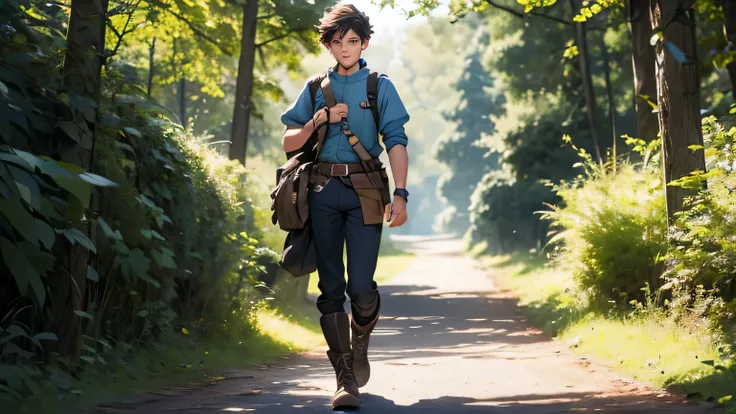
<point>401,192</point>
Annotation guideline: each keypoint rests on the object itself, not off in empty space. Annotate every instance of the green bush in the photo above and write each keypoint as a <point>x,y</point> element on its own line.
<point>705,253</point>
<point>164,239</point>
<point>614,229</point>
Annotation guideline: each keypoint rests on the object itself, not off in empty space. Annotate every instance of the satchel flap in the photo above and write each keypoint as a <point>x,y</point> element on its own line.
<point>371,193</point>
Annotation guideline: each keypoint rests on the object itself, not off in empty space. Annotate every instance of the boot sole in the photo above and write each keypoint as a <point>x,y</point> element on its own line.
<point>345,401</point>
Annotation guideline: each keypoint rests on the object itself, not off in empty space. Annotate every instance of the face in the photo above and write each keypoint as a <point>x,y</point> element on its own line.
<point>348,49</point>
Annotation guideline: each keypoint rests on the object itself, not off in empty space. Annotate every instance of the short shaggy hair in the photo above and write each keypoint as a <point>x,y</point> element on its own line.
<point>340,19</point>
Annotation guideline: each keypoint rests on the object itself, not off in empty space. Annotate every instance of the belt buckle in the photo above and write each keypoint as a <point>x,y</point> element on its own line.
<point>333,173</point>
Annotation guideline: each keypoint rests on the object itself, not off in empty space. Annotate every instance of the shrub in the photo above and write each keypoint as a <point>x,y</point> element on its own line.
<point>705,253</point>
<point>175,242</point>
<point>614,229</point>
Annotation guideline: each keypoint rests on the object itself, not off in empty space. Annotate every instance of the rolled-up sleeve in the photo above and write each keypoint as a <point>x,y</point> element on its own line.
<point>392,115</point>
<point>300,111</point>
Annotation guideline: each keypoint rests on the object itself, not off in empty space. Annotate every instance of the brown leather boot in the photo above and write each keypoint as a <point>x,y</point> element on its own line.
<point>361,335</point>
<point>336,329</point>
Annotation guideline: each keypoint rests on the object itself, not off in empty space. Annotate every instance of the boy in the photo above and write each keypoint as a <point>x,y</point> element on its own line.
<point>338,213</point>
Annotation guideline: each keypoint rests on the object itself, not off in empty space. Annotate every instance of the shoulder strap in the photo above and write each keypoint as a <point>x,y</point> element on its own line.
<point>314,84</point>
<point>372,92</point>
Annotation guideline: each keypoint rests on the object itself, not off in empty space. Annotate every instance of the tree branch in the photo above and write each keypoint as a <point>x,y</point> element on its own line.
<point>193,28</point>
<point>121,35</point>
<point>267,16</point>
<point>279,37</point>
<point>521,14</point>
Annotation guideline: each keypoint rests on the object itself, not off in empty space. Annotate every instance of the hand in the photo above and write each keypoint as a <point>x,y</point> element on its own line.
<point>337,112</point>
<point>396,212</point>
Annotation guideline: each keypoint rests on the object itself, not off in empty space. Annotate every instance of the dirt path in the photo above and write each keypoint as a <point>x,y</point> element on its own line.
<point>448,342</point>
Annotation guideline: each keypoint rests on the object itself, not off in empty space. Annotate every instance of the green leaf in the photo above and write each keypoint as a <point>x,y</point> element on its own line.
<point>17,159</point>
<point>136,263</point>
<point>85,105</point>
<point>146,233</point>
<point>7,177</point>
<point>143,313</point>
<point>19,218</point>
<point>48,209</point>
<point>76,236</point>
<point>115,235</point>
<point>73,130</point>
<point>45,233</point>
<point>92,274</point>
<point>133,131</point>
<point>13,349</point>
<point>46,336</point>
<point>27,186</point>
<point>72,183</point>
<point>155,234</point>
<point>164,260</point>
<point>111,120</point>
<point>83,314</point>
<point>13,331</point>
<point>97,180</point>
<point>19,118</point>
<point>3,89</point>
<point>61,380</point>
<point>168,252</point>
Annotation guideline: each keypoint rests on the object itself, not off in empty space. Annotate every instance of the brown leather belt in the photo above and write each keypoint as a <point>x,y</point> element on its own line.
<point>338,170</point>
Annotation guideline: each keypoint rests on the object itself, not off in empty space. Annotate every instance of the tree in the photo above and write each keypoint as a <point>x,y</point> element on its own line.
<point>678,96</point>
<point>287,24</point>
<point>581,37</point>
<point>81,77</point>
<point>642,58</point>
<point>729,29</point>
<point>459,150</point>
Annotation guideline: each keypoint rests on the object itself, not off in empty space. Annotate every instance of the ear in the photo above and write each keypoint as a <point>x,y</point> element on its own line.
<point>364,46</point>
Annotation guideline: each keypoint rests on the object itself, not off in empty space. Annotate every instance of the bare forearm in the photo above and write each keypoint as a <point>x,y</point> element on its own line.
<point>294,138</point>
<point>399,160</point>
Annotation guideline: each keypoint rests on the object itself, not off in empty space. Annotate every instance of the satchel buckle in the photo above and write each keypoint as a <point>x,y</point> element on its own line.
<point>335,174</point>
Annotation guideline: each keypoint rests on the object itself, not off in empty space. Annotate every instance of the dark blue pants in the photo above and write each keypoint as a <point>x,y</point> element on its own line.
<point>337,221</point>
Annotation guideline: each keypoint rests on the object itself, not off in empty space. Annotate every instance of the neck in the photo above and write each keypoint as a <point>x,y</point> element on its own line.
<point>348,71</point>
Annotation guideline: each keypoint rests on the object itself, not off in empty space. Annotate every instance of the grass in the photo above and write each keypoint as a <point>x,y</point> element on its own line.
<point>182,361</point>
<point>649,346</point>
<point>391,262</point>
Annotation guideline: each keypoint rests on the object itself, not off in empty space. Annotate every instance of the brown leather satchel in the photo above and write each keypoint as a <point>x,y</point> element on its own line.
<point>290,196</point>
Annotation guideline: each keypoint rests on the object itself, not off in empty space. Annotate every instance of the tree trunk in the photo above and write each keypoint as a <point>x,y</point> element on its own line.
<point>581,35</point>
<point>244,86</point>
<point>183,102</point>
<point>642,58</point>
<point>678,94</point>
<point>151,66</point>
<point>729,28</point>
<point>611,105</point>
<point>81,72</point>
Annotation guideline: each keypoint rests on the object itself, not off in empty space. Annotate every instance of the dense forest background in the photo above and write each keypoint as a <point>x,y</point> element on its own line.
<point>139,142</point>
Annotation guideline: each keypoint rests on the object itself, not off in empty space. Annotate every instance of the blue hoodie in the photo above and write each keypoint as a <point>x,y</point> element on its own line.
<point>351,90</point>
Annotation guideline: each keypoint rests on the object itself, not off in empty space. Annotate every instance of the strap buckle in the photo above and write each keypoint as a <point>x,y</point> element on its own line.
<point>333,173</point>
